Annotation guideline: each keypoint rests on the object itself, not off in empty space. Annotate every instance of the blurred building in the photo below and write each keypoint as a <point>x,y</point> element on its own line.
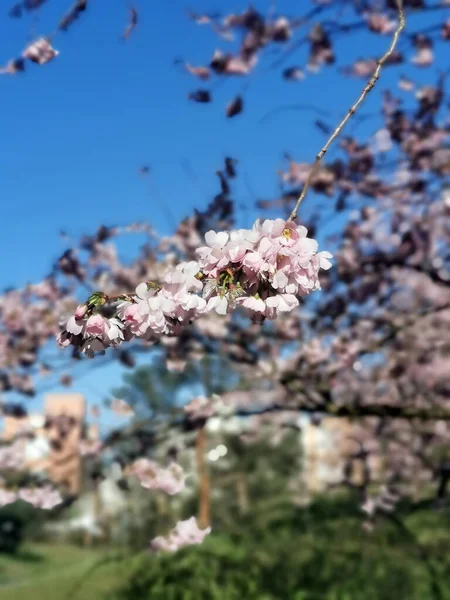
<point>328,448</point>
<point>65,417</point>
<point>52,440</point>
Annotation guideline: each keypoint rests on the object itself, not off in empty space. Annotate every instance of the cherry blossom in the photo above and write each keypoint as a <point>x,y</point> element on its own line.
<point>45,497</point>
<point>7,497</point>
<point>120,407</point>
<point>40,51</point>
<point>151,476</point>
<point>89,447</point>
<point>12,456</point>
<point>274,263</point>
<point>185,533</point>
<point>200,408</point>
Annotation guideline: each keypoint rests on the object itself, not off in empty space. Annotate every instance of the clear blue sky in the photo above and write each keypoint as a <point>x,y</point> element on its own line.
<point>75,131</point>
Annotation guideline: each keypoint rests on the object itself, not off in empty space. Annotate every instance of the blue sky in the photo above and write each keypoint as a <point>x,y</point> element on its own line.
<point>75,131</point>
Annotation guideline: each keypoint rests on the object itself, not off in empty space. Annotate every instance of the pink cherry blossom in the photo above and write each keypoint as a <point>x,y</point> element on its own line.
<point>214,255</point>
<point>75,326</point>
<point>219,304</point>
<point>280,303</point>
<point>151,476</point>
<point>89,447</point>
<point>254,303</point>
<point>263,270</point>
<point>80,311</point>
<point>45,497</point>
<point>12,456</point>
<point>200,408</point>
<point>185,533</point>
<point>7,497</point>
<point>95,326</point>
<point>114,329</point>
<point>40,51</point>
<point>185,274</point>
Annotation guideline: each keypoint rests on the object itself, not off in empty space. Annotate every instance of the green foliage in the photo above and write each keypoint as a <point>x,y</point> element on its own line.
<point>17,520</point>
<point>316,553</point>
<point>153,390</point>
<point>259,471</point>
<point>133,529</point>
<point>310,554</point>
<point>11,532</point>
<point>58,572</point>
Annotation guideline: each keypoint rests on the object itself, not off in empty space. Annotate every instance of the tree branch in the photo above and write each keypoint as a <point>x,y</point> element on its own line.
<point>380,62</point>
<point>364,410</point>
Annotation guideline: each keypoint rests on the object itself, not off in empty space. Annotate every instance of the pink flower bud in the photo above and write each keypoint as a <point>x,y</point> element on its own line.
<point>80,311</point>
<point>95,325</point>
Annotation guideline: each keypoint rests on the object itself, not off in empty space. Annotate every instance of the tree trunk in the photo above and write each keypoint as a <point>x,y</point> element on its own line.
<point>161,505</point>
<point>202,469</point>
<point>97,512</point>
<point>242,493</point>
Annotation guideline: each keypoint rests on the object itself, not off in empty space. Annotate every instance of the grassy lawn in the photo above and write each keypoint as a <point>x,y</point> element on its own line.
<point>57,572</point>
<point>317,553</point>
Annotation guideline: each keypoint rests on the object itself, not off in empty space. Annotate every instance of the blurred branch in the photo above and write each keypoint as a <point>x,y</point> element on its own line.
<point>365,410</point>
<point>310,107</point>
<point>381,61</point>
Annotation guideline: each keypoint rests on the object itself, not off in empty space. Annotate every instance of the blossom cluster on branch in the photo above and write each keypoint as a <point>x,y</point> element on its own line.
<point>154,477</point>
<point>264,269</point>
<point>185,533</point>
<point>45,497</point>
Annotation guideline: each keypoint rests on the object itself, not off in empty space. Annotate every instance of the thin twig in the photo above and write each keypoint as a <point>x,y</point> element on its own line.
<point>351,112</point>
<point>274,111</point>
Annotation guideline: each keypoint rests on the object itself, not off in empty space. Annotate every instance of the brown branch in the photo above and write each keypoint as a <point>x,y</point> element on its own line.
<point>380,62</point>
<point>364,410</point>
<point>202,468</point>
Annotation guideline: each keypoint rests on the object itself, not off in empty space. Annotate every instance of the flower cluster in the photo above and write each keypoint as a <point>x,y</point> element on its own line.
<point>167,309</point>
<point>7,497</point>
<point>89,447</point>
<point>154,477</point>
<point>45,497</point>
<point>201,408</point>
<point>185,533</point>
<point>40,51</point>
<point>264,269</point>
<point>383,502</point>
<point>12,456</point>
<point>90,330</point>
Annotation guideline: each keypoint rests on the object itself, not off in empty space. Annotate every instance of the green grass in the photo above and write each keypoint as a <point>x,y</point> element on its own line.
<point>58,572</point>
<point>319,552</point>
